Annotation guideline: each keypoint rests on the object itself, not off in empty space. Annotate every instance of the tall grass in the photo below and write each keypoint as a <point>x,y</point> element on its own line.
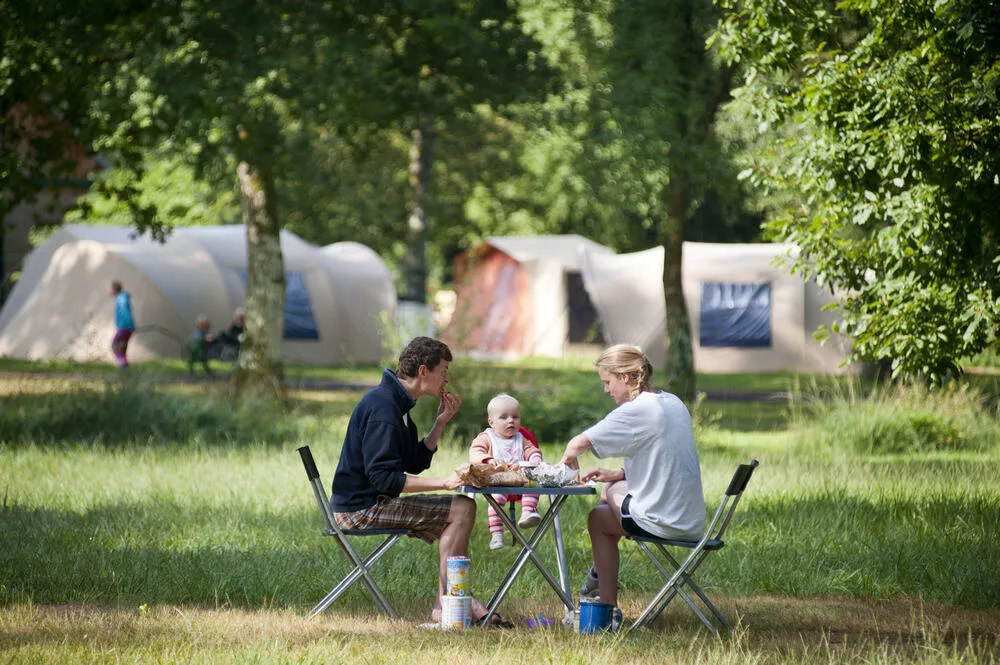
<point>117,413</point>
<point>899,419</point>
<point>235,524</point>
<point>557,402</point>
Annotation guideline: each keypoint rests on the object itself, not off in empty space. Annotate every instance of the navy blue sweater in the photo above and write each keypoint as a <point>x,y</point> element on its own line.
<point>380,447</point>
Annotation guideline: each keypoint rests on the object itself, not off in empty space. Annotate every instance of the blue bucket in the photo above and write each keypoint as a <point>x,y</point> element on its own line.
<point>596,617</point>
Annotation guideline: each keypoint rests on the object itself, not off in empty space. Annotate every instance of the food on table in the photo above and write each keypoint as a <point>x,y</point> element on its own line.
<point>497,475</point>
<point>552,475</point>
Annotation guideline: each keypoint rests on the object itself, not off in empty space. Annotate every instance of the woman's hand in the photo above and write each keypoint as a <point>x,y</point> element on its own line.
<point>578,445</point>
<point>570,461</point>
<point>602,475</point>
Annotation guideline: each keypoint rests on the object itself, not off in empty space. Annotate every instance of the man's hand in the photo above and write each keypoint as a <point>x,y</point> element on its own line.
<point>430,483</point>
<point>446,411</point>
<point>452,482</point>
<point>602,475</point>
<point>450,402</point>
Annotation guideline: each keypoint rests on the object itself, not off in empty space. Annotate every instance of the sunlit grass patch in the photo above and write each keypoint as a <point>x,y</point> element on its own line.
<point>34,385</point>
<point>118,413</point>
<point>899,419</point>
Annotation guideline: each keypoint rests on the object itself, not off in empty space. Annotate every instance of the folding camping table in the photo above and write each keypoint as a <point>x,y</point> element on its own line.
<point>557,497</point>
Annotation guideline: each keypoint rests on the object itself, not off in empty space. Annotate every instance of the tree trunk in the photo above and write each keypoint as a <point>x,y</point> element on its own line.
<point>680,355</point>
<point>259,370</point>
<point>421,161</point>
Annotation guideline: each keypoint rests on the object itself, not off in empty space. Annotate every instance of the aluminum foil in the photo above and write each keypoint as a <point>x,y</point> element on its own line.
<point>551,475</point>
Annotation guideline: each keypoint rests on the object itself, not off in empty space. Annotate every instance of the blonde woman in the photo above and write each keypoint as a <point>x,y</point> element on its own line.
<point>658,491</point>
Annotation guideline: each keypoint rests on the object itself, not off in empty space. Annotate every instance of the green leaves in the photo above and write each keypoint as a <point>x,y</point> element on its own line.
<point>899,212</point>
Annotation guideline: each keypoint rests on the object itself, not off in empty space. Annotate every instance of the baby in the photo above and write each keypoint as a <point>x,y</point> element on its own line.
<point>506,441</point>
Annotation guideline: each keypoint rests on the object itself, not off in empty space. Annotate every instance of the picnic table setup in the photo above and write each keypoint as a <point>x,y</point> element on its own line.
<point>558,484</point>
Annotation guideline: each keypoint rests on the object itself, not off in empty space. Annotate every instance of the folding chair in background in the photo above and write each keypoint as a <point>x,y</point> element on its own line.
<point>361,567</point>
<point>680,579</point>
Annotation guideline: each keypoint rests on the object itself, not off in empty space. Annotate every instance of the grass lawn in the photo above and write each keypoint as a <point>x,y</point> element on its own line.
<point>168,546</point>
<point>783,631</point>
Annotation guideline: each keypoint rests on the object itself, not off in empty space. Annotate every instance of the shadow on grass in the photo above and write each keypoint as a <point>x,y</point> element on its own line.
<point>938,548</point>
<point>941,548</point>
<point>128,554</point>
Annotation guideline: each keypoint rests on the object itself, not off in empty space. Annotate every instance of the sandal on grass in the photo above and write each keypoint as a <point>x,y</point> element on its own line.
<point>496,621</point>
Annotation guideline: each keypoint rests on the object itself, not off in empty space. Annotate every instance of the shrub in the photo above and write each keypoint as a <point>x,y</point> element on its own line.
<point>899,419</point>
<point>123,413</point>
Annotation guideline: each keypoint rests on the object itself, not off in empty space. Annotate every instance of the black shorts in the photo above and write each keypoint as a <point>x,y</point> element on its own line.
<point>629,524</point>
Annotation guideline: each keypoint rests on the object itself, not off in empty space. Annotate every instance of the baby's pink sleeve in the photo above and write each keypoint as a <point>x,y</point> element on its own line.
<point>481,451</point>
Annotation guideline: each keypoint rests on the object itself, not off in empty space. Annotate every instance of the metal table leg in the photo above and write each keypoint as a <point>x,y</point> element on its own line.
<point>528,552</point>
<point>561,559</point>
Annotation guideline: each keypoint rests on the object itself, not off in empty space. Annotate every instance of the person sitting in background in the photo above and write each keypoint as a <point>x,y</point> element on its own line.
<point>200,344</point>
<point>227,342</point>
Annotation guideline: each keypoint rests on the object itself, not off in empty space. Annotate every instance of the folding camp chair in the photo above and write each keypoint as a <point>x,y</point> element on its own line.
<point>361,569</point>
<point>700,549</point>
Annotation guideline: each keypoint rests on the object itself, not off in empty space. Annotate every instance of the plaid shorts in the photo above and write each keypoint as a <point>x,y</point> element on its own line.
<point>425,515</point>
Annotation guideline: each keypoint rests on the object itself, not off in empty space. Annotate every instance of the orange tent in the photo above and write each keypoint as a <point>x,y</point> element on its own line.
<point>522,295</point>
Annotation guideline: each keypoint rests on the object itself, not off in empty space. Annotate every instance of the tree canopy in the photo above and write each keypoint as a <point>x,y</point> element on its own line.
<point>897,163</point>
<point>307,111</point>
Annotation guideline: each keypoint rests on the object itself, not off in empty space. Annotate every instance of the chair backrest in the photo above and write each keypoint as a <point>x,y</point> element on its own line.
<point>730,500</point>
<point>318,490</point>
<point>741,478</point>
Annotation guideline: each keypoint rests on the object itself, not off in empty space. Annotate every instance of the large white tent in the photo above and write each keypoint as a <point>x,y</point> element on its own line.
<point>60,308</point>
<point>762,318</point>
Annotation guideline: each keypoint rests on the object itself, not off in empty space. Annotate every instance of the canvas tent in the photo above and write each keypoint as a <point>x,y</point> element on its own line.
<point>746,314</point>
<point>60,308</point>
<point>520,295</point>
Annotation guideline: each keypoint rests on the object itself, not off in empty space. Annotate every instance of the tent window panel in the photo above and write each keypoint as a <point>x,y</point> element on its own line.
<point>299,320</point>
<point>735,315</point>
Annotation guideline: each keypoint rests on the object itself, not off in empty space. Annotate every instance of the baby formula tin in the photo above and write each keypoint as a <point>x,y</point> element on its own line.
<point>456,612</point>
<point>458,576</point>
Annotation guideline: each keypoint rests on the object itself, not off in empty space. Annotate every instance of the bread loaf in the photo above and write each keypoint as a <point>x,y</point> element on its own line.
<point>483,475</point>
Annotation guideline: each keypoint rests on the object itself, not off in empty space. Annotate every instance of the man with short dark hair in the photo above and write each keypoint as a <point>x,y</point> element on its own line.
<point>381,455</point>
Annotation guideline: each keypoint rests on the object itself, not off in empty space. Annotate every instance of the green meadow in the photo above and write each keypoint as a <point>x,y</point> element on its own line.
<point>155,521</point>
